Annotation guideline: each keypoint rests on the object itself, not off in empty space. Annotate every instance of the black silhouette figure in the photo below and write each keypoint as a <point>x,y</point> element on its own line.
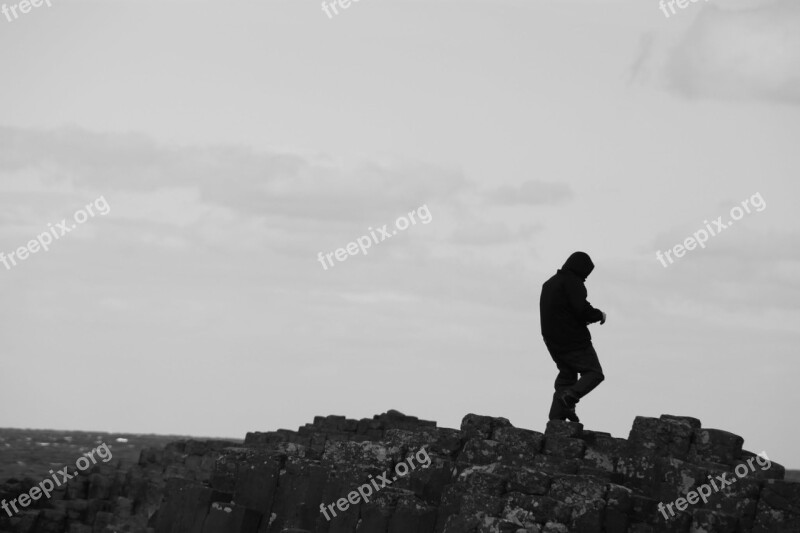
<point>565,313</point>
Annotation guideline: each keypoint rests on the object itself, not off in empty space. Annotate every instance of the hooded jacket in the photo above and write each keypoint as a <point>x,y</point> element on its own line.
<point>563,309</point>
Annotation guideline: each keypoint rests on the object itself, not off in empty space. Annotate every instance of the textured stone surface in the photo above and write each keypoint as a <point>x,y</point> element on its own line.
<point>661,436</point>
<point>715,445</point>
<point>398,474</point>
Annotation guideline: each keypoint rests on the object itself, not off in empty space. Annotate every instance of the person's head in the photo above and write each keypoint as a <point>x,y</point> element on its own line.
<point>580,264</point>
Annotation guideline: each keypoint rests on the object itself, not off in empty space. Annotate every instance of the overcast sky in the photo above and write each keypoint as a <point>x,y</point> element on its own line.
<point>233,142</point>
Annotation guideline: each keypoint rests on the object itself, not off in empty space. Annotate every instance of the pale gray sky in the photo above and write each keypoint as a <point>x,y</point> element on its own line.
<point>234,142</point>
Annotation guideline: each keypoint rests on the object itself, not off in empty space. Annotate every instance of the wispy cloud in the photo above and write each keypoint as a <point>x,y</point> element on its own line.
<point>530,193</point>
<point>751,53</point>
<point>175,197</point>
<point>492,233</point>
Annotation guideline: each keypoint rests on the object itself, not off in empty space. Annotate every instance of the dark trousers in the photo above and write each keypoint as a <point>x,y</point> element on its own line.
<point>570,364</point>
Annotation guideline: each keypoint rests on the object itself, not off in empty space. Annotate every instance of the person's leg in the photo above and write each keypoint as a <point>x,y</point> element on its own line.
<point>586,363</point>
<point>567,377</point>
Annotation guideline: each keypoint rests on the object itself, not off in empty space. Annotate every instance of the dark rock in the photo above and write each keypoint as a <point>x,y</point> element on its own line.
<point>692,422</point>
<point>443,441</point>
<point>463,502</point>
<point>760,466</point>
<point>618,507</point>
<point>660,436</point>
<point>563,428</point>
<point>708,520</point>
<point>779,507</point>
<point>556,465</point>
<point>675,478</point>
<point>639,472</point>
<point>395,473</point>
<point>527,481</point>
<point>518,447</point>
<point>479,452</point>
<point>716,446</point>
<point>566,447</point>
<point>229,518</point>
<point>481,427</point>
<point>186,506</point>
<point>604,452</point>
<point>738,499</point>
<point>101,521</point>
<point>412,515</point>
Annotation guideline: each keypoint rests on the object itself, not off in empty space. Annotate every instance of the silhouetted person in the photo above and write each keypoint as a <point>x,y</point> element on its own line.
<point>564,314</point>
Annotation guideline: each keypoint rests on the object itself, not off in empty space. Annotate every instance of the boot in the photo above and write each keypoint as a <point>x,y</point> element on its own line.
<point>568,399</point>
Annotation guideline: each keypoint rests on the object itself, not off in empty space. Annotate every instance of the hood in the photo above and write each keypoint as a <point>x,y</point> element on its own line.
<point>579,263</point>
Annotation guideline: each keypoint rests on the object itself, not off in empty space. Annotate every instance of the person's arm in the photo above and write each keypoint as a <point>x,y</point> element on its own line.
<point>576,295</point>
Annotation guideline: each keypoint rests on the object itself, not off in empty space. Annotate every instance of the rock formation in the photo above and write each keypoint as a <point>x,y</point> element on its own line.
<point>487,476</point>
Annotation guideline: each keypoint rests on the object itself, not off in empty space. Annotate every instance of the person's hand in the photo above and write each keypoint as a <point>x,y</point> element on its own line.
<point>603,320</point>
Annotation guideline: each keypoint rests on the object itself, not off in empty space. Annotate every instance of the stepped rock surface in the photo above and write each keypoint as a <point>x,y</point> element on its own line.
<point>487,476</point>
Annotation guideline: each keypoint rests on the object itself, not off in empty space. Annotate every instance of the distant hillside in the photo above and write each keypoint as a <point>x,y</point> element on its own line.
<point>33,452</point>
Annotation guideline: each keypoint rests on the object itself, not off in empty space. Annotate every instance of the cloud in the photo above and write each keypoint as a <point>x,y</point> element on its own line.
<point>233,177</point>
<point>196,218</point>
<point>750,271</point>
<point>200,197</point>
<point>530,193</point>
<point>483,233</point>
<point>751,53</point>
